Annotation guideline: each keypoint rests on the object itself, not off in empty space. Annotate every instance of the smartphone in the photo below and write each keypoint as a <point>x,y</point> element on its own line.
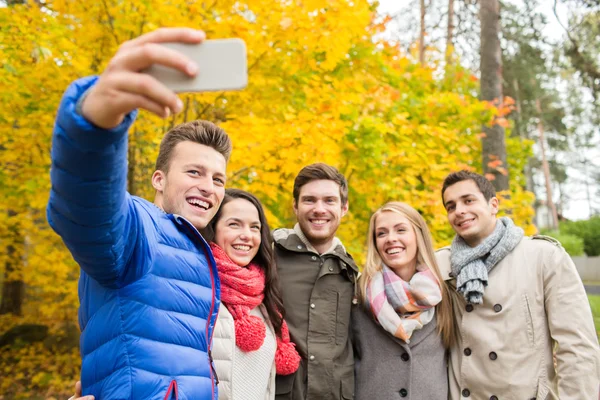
<point>222,65</point>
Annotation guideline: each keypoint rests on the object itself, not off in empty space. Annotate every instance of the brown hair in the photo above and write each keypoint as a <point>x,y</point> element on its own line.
<point>425,256</point>
<point>199,131</point>
<point>265,257</point>
<point>485,186</point>
<point>320,171</point>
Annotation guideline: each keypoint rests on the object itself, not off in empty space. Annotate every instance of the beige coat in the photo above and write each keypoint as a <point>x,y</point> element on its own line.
<point>534,301</point>
<point>223,353</point>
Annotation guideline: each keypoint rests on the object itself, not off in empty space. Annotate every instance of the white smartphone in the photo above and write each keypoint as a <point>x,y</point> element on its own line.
<point>222,65</point>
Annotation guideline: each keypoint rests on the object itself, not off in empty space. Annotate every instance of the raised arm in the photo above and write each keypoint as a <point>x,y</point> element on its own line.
<point>89,206</point>
<point>571,327</point>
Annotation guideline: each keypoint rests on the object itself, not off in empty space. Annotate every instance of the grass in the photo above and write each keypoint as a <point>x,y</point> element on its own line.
<point>595,304</point>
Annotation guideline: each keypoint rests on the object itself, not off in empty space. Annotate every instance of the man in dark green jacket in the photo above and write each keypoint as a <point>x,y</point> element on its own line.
<point>318,280</point>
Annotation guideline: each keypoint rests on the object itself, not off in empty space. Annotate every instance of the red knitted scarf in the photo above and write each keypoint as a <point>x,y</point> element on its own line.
<point>242,290</point>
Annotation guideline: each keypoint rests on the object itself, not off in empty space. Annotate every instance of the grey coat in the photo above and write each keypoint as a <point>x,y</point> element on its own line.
<point>386,368</point>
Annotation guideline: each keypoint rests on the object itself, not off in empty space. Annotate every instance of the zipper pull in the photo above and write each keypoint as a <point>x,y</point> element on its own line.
<point>212,366</point>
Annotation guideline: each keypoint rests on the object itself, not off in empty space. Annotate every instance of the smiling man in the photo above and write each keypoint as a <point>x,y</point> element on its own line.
<point>148,287</point>
<point>520,305</point>
<point>317,283</point>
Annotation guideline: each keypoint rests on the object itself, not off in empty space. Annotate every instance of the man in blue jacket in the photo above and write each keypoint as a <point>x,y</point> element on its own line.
<point>149,289</point>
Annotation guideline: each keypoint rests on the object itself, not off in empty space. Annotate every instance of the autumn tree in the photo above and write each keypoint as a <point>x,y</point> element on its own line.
<point>322,87</point>
<point>582,49</point>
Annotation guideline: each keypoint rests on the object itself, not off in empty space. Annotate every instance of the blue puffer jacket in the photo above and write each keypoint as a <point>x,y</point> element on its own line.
<point>149,287</point>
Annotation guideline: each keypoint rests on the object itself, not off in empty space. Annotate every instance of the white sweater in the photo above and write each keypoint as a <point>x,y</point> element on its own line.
<point>243,375</point>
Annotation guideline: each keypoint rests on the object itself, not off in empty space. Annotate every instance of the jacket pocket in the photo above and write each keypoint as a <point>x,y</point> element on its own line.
<point>347,382</point>
<point>346,390</point>
<point>528,320</point>
<point>284,384</point>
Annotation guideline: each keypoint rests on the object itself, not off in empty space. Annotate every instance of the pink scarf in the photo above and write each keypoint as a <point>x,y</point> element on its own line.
<point>402,307</point>
<point>242,290</point>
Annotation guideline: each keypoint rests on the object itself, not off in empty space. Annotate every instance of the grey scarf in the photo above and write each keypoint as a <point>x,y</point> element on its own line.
<point>471,265</point>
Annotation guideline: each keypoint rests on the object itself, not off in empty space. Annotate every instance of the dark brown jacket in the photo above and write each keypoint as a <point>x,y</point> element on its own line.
<point>318,291</point>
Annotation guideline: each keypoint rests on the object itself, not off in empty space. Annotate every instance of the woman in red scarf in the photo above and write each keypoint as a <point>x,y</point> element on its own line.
<point>251,343</point>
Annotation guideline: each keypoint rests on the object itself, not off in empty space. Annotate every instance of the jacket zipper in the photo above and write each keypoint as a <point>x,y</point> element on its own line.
<point>172,387</point>
<point>212,366</point>
<point>213,374</point>
<point>209,350</point>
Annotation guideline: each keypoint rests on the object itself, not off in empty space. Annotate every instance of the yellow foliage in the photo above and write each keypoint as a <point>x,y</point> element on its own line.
<point>35,371</point>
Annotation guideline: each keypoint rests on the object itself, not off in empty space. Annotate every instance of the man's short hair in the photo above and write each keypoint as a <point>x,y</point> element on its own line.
<point>199,131</point>
<point>320,171</point>
<point>485,186</point>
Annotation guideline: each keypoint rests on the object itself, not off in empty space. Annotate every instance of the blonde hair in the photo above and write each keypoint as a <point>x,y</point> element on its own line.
<point>425,256</point>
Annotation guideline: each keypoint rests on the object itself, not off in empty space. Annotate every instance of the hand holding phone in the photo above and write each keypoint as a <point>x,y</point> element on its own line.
<point>122,87</point>
<point>222,65</point>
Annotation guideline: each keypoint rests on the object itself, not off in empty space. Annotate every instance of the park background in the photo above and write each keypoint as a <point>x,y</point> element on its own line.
<point>395,95</point>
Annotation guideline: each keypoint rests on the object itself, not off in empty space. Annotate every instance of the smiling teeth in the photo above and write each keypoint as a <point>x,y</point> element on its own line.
<point>199,203</point>
<point>241,247</point>
<point>319,221</point>
<point>395,250</point>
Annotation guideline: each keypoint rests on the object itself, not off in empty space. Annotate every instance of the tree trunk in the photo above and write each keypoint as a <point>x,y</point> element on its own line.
<point>450,32</point>
<point>546,168</point>
<point>587,188</point>
<point>12,293</point>
<point>522,132</point>
<point>422,35</point>
<point>13,287</point>
<point>493,142</point>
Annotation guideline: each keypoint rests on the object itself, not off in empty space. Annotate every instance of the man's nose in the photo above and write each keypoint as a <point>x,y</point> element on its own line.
<point>206,186</point>
<point>319,207</point>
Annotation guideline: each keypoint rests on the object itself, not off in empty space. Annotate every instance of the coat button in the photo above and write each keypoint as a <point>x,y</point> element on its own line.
<point>497,307</point>
<point>467,352</point>
<point>403,392</point>
<point>405,357</point>
<point>469,307</point>
<point>493,356</point>
<point>494,398</point>
<point>466,392</point>
<point>311,358</point>
<point>314,258</point>
<point>299,247</point>
<point>330,269</point>
<point>312,305</point>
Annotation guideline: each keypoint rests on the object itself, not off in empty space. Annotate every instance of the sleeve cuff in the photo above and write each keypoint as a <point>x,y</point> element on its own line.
<point>80,130</point>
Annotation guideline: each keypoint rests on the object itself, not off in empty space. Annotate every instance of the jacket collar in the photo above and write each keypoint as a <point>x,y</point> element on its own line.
<point>289,240</point>
<point>336,242</point>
